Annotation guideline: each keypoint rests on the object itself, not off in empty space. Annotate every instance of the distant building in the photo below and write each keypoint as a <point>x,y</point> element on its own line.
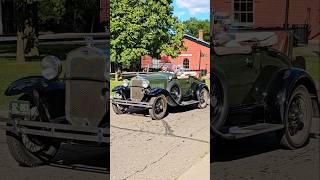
<point>104,10</point>
<point>269,13</point>
<point>195,57</point>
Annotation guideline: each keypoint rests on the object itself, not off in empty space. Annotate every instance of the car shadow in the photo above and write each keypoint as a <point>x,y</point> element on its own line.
<point>178,109</point>
<point>83,158</point>
<point>224,150</point>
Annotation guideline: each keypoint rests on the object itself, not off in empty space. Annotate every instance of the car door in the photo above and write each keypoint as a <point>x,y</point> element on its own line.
<point>241,71</point>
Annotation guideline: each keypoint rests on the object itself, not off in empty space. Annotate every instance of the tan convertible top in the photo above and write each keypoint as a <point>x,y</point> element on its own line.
<point>241,43</point>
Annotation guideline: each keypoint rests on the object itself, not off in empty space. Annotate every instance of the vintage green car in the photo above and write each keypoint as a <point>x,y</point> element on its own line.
<point>172,86</point>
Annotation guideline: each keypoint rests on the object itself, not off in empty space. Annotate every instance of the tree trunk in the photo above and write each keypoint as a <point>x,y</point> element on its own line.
<point>20,48</point>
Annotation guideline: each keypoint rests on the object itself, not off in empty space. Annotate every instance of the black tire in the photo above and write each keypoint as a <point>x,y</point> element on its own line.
<point>119,109</point>
<point>30,150</point>
<point>175,91</point>
<point>298,119</point>
<point>159,107</point>
<point>27,158</point>
<point>203,98</point>
<point>219,106</point>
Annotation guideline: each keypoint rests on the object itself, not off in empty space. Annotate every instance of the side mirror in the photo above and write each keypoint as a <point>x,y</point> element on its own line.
<point>299,62</point>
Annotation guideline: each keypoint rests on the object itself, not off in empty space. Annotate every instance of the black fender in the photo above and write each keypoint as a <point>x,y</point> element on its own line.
<point>46,94</point>
<point>28,84</point>
<point>124,91</point>
<point>280,91</point>
<point>199,87</point>
<point>156,92</point>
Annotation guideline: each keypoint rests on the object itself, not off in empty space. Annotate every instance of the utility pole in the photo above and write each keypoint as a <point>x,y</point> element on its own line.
<point>286,21</point>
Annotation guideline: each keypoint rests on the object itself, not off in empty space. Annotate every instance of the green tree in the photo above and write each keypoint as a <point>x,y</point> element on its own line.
<point>143,27</point>
<point>28,13</point>
<point>193,25</point>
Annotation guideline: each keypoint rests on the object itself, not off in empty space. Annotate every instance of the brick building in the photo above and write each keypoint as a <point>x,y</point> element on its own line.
<point>269,13</point>
<point>195,57</point>
<point>104,10</point>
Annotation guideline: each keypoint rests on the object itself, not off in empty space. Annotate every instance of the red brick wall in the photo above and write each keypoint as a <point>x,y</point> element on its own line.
<point>222,5</point>
<point>271,13</point>
<point>194,49</point>
<point>192,53</point>
<point>104,13</point>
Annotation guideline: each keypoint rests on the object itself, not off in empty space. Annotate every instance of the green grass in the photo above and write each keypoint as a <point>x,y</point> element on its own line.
<point>312,62</point>
<point>113,84</point>
<point>9,72</point>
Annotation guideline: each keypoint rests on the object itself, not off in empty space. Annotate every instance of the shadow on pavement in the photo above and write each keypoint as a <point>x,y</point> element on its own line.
<point>178,109</point>
<point>83,158</point>
<point>223,150</point>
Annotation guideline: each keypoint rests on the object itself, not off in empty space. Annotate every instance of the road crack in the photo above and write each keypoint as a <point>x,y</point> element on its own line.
<point>154,162</point>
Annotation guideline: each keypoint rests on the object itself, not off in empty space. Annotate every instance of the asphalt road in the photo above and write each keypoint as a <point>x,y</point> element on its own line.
<point>73,162</point>
<point>261,158</point>
<point>142,148</point>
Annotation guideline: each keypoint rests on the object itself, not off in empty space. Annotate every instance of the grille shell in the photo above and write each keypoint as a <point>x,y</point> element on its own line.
<point>136,90</point>
<point>86,78</point>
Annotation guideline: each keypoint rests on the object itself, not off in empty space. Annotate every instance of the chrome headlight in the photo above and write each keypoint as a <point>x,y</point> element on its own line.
<point>145,84</point>
<point>126,83</point>
<point>51,67</point>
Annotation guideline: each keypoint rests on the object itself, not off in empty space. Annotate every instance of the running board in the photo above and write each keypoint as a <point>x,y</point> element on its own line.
<point>252,130</point>
<point>186,103</point>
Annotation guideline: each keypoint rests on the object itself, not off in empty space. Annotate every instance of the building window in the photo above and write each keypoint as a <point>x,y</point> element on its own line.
<point>186,63</point>
<point>243,11</point>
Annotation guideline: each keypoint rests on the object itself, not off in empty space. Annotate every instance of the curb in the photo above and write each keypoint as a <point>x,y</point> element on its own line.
<point>201,170</point>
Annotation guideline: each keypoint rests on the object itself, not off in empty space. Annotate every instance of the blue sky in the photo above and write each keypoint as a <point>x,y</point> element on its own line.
<point>185,9</point>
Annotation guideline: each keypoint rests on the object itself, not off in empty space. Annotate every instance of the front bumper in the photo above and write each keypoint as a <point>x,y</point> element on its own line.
<point>132,103</point>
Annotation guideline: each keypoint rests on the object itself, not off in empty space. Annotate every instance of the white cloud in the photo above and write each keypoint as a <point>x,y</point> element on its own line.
<point>194,6</point>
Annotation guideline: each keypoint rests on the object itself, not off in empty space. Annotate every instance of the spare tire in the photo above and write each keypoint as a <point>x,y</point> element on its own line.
<point>219,105</point>
<point>175,92</point>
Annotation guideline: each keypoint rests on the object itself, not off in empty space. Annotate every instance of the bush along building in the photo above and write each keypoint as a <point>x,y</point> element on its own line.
<point>196,57</point>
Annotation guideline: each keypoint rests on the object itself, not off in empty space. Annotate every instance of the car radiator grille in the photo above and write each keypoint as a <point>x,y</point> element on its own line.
<point>136,90</point>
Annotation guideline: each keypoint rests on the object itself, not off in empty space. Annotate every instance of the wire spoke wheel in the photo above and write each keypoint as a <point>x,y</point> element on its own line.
<point>203,98</point>
<point>175,92</point>
<point>216,103</point>
<point>298,119</point>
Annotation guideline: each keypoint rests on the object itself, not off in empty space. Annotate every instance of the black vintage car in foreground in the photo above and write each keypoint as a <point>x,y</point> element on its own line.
<point>50,110</point>
<point>257,87</point>
<point>172,86</point>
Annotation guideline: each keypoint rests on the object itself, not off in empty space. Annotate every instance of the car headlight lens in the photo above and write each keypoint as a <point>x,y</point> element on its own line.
<point>51,67</point>
<point>145,84</point>
<point>126,83</point>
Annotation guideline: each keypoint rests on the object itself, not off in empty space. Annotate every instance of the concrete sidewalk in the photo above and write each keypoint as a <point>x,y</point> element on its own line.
<point>201,170</point>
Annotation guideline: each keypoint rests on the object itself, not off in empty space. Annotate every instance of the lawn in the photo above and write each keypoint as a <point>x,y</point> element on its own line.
<point>312,62</point>
<point>10,72</point>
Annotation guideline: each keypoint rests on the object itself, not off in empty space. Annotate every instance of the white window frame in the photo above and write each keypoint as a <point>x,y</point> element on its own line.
<point>247,24</point>
<point>186,59</point>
